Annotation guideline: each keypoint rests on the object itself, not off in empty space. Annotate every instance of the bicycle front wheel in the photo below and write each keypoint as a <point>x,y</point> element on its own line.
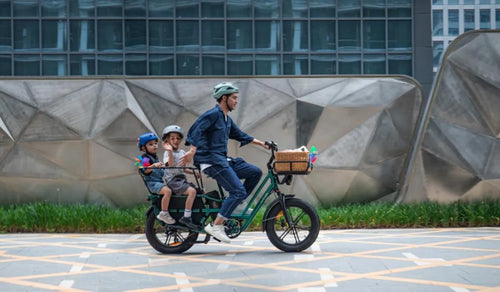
<point>168,239</point>
<point>300,234</point>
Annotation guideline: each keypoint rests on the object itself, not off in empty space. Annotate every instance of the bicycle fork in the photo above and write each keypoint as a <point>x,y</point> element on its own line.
<point>282,201</point>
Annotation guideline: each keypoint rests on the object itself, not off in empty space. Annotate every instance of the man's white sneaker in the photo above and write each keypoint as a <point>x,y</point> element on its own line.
<point>218,232</point>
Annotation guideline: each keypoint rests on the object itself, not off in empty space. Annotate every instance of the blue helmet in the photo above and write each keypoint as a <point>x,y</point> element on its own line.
<point>145,138</point>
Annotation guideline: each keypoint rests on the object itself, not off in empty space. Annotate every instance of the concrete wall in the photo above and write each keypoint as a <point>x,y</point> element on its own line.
<point>74,140</point>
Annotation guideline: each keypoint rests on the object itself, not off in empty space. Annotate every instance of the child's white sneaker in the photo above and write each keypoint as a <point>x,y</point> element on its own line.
<point>165,217</point>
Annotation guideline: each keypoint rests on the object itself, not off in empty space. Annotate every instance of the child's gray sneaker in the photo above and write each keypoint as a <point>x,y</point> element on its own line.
<point>165,217</point>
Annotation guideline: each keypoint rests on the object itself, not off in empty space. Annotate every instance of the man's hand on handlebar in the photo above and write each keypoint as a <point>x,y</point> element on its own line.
<point>271,145</point>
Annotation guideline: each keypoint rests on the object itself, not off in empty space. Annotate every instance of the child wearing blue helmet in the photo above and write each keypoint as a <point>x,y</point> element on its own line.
<point>148,143</point>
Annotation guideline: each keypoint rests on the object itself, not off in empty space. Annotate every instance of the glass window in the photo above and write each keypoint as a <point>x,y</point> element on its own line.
<point>267,36</point>
<point>323,64</point>
<point>54,35</point>
<point>187,35</point>
<point>187,8</point>
<point>188,65</point>
<point>267,65</point>
<point>161,65</point>
<point>484,19</point>
<point>5,65</point>
<point>212,8</point>
<point>437,51</point>
<point>239,65</point>
<point>54,65</point>
<point>27,65</point>
<point>81,8</point>
<point>212,36</point>
<point>109,65</point>
<point>5,11</point>
<point>437,22</point>
<point>349,8</point>
<point>135,35</point>
<point>267,8</point>
<point>437,2</point>
<point>239,35</point>
<point>400,64</point>
<point>108,8</point>
<point>349,64</point>
<point>497,18</point>
<point>374,64</point>
<point>5,42</point>
<point>26,8</point>
<point>135,8</point>
<point>161,35</point>
<point>374,35</point>
<point>453,22</point>
<point>373,8</point>
<point>82,65</point>
<point>323,36</point>
<point>109,36</point>
<point>239,8</point>
<point>295,8</point>
<point>399,8</point>
<point>468,19</point>
<point>54,8</point>
<point>399,35</point>
<point>452,2</point>
<point>295,36</point>
<point>484,1</point>
<point>469,2</point>
<point>135,64</point>
<point>213,64</point>
<point>26,36</point>
<point>295,65</point>
<point>322,8</point>
<point>161,8</point>
<point>81,35</point>
<point>349,35</point>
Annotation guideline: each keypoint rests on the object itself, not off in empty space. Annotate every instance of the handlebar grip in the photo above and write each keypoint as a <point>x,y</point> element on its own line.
<point>271,145</point>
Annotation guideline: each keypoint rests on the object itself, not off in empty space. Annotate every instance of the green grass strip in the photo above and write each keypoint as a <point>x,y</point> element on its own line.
<point>48,217</point>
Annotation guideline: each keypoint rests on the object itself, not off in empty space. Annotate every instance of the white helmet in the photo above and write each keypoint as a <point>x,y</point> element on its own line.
<point>172,129</point>
<point>224,88</point>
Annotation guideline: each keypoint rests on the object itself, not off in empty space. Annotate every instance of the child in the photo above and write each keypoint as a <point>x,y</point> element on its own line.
<point>148,143</point>
<point>176,178</point>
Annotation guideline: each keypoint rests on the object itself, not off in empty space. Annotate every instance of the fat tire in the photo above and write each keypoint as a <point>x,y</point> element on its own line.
<point>307,223</point>
<point>166,239</point>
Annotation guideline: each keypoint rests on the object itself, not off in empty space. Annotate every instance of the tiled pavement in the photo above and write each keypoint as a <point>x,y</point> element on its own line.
<point>460,260</point>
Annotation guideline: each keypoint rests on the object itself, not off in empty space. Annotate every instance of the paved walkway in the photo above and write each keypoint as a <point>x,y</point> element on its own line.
<point>460,260</point>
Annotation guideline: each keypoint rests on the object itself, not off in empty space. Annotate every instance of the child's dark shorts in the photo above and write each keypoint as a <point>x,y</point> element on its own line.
<point>178,184</point>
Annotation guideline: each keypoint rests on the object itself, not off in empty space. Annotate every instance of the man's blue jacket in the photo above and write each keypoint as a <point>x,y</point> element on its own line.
<point>210,134</point>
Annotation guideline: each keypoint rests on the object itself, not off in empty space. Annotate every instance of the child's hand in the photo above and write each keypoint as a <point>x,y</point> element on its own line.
<point>157,164</point>
<point>167,146</point>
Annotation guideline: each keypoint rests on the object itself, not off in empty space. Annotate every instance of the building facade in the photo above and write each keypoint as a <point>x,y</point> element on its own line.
<point>214,37</point>
<point>451,18</point>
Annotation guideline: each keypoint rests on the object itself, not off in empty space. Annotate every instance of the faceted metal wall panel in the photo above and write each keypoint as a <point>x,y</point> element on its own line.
<point>74,140</point>
<point>459,158</point>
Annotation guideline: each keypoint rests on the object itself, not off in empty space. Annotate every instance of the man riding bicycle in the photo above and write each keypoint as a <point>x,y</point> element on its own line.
<point>208,138</point>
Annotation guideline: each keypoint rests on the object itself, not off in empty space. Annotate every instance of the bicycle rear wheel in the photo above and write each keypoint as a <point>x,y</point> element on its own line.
<point>297,236</point>
<point>168,239</point>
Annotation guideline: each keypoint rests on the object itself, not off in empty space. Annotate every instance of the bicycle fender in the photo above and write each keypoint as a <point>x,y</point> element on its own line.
<point>270,206</point>
<point>149,210</point>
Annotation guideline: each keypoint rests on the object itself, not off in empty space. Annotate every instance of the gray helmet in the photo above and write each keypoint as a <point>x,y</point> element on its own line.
<point>224,88</point>
<point>172,129</point>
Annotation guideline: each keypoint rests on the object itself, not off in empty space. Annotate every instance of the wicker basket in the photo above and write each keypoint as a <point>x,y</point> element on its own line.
<point>291,162</point>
